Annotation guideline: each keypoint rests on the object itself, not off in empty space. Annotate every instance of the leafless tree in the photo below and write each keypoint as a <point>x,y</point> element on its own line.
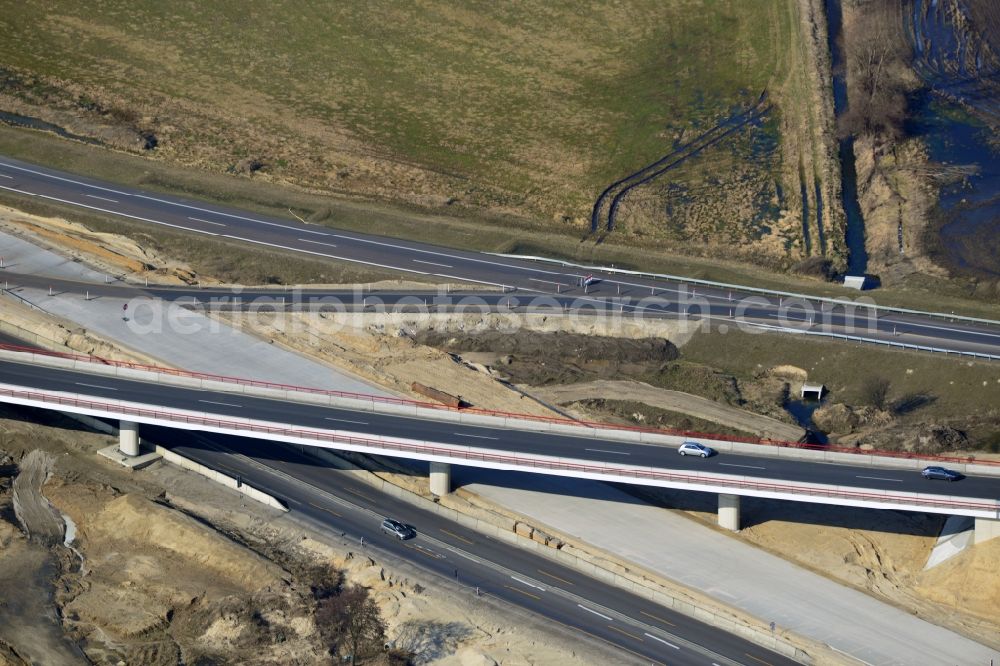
<point>352,623</point>
<point>877,56</point>
<point>875,392</point>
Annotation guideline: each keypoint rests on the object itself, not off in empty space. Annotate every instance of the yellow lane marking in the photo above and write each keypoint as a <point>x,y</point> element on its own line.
<point>622,631</point>
<point>766,663</point>
<point>355,492</point>
<point>423,551</point>
<point>325,509</point>
<point>546,573</point>
<point>611,643</point>
<point>658,618</point>
<point>460,538</point>
<point>527,594</point>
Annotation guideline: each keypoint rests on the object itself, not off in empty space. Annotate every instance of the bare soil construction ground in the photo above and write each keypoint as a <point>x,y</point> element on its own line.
<point>882,553</point>
<point>163,257</point>
<point>175,568</point>
<point>676,401</point>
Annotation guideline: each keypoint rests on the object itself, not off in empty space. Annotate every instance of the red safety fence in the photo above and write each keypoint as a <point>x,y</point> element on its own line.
<point>392,447</point>
<point>257,383</point>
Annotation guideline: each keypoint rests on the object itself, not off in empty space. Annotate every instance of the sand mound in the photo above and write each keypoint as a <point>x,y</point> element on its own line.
<point>789,372</point>
<point>141,521</point>
<point>968,581</point>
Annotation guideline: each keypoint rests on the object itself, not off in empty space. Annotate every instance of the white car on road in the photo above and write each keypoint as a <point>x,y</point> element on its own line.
<point>695,449</point>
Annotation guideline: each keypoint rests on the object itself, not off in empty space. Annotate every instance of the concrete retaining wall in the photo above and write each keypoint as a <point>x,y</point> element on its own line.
<point>219,477</point>
<point>188,464</point>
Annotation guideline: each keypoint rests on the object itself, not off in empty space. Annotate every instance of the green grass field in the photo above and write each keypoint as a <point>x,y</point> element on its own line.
<point>960,388</point>
<point>520,107</point>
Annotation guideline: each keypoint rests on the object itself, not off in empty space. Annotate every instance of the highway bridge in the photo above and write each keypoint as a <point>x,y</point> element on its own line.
<point>166,401</point>
<point>442,437</point>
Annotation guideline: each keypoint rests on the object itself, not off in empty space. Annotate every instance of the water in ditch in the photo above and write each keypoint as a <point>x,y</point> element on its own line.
<point>857,259</point>
<point>18,120</point>
<point>802,411</point>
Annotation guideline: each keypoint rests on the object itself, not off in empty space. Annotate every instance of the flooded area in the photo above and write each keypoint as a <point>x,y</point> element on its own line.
<point>969,196</point>
<point>955,52</point>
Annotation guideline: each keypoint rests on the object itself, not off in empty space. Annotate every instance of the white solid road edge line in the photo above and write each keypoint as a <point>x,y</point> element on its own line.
<point>591,610</point>
<point>323,254</point>
<point>657,638</point>
<point>524,582</point>
<point>65,180</point>
<point>94,196</point>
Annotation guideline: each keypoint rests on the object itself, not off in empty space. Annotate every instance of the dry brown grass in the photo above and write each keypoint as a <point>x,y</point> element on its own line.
<point>521,110</point>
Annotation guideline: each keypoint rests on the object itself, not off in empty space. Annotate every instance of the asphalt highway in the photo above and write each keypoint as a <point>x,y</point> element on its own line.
<point>522,278</point>
<point>665,304</point>
<point>362,424</point>
<point>336,502</point>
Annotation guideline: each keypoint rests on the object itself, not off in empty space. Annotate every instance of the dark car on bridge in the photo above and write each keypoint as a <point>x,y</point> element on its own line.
<point>942,473</point>
<point>398,529</point>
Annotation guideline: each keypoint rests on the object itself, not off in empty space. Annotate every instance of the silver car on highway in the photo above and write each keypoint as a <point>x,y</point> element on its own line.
<point>695,449</point>
<point>398,529</point>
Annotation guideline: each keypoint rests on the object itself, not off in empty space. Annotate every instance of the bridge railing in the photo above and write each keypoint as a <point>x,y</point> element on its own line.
<point>523,461</point>
<point>553,420</point>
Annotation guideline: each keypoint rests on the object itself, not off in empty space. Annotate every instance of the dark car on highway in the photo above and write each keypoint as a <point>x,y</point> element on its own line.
<point>942,473</point>
<point>398,529</point>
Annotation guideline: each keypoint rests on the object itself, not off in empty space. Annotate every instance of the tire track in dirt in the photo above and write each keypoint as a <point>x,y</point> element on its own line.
<point>707,140</point>
<point>40,521</point>
<point>671,159</point>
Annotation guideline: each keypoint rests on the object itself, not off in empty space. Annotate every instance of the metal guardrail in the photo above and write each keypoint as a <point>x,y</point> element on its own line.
<point>745,288</point>
<point>22,300</point>
<point>530,461</point>
<point>877,341</point>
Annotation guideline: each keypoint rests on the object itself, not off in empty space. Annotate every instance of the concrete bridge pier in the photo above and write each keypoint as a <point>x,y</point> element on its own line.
<point>729,512</point>
<point>440,478</point>
<point>128,438</point>
<point>986,529</point>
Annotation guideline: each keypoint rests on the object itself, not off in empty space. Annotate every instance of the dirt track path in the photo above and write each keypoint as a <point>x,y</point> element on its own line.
<point>676,401</point>
<point>38,519</point>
